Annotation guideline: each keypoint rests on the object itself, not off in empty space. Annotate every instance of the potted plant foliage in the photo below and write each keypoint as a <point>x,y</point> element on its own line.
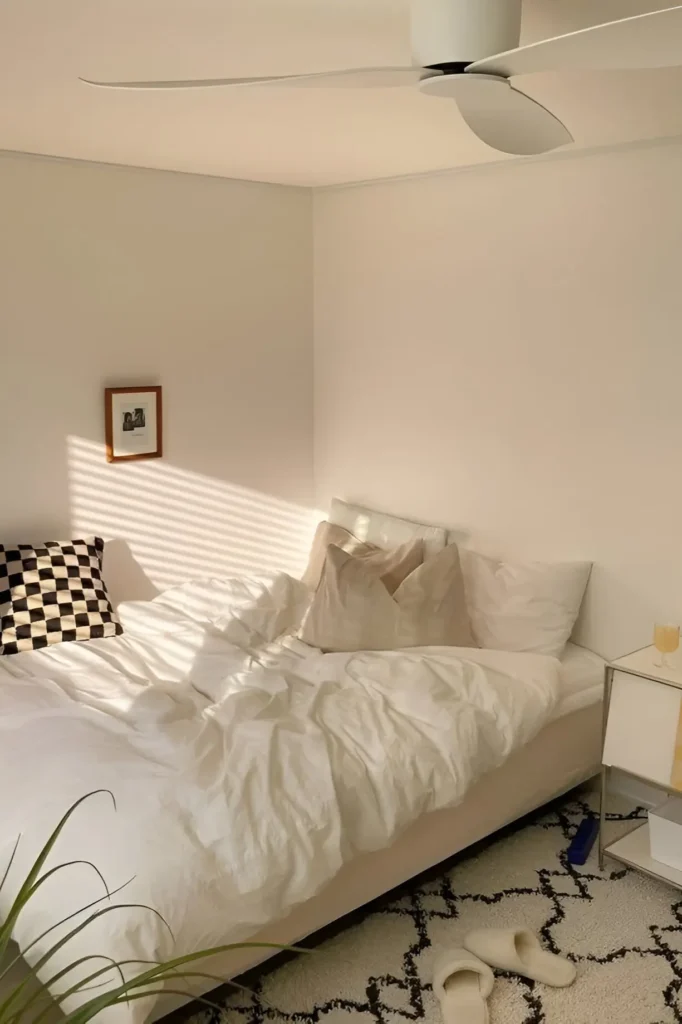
<point>26,1003</point>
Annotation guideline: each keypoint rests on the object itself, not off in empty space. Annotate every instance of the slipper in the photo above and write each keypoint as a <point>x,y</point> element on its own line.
<point>519,951</point>
<point>462,984</point>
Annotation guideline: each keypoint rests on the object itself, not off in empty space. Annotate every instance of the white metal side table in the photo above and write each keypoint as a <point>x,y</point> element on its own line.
<point>642,738</point>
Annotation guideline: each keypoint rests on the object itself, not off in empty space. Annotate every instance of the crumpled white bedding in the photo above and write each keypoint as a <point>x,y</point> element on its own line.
<point>246,771</point>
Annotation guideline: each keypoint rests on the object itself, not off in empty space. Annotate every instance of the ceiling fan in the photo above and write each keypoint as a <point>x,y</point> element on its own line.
<point>451,43</point>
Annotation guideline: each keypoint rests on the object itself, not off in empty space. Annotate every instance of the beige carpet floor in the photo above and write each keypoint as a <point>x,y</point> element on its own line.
<point>623,930</point>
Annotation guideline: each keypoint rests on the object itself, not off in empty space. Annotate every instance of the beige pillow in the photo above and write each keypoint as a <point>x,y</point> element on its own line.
<point>392,566</point>
<point>353,611</point>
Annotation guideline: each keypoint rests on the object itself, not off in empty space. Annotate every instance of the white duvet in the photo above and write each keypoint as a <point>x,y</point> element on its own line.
<point>246,772</point>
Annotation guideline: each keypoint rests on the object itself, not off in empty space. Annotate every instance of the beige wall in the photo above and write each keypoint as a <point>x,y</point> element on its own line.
<point>501,351</point>
<point>497,350</point>
<point>114,276</point>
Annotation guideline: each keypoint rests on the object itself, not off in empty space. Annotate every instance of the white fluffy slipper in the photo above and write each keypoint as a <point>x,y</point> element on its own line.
<point>519,951</point>
<point>462,984</point>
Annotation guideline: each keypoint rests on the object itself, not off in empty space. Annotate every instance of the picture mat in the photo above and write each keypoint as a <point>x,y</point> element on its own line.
<point>140,440</point>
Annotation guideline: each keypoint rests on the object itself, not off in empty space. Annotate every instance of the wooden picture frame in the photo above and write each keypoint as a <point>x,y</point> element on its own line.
<point>133,423</point>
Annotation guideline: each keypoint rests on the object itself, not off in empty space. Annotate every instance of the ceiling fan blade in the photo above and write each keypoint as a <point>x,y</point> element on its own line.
<point>354,78</point>
<point>504,118</point>
<point>651,40</point>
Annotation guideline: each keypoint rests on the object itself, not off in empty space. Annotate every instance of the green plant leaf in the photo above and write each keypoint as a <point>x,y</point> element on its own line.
<point>78,1017</point>
<point>11,963</point>
<point>93,917</point>
<point>18,907</point>
<point>141,986</point>
<point>25,891</point>
<point>4,1007</point>
<point>9,865</point>
<point>56,999</point>
<point>161,973</point>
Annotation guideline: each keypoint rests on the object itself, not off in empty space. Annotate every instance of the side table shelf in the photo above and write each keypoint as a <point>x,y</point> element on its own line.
<point>633,849</point>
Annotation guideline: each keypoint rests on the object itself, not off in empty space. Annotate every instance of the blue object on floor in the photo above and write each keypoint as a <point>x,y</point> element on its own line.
<point>583,841</point>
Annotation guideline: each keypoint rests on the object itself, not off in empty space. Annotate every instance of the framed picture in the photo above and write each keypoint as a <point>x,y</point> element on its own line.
<point>133,424</point>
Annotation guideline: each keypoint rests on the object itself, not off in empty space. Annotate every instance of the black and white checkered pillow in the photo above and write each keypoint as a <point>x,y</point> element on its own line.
<point>53,593</point>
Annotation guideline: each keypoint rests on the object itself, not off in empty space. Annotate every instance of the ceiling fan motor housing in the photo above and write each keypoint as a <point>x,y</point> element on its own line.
<point>451,32</point>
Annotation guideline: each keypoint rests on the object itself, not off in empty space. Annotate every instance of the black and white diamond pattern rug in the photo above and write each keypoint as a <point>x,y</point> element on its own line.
<point>622,929</point>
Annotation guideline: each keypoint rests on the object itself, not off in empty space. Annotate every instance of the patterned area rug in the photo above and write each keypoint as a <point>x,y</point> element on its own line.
<point>623,930</point>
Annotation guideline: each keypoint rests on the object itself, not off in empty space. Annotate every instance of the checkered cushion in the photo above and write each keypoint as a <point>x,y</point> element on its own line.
<point>53,593</point>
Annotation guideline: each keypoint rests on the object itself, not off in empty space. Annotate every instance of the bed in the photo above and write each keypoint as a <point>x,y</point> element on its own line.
<point>203,661</point>
<point>565,753</point>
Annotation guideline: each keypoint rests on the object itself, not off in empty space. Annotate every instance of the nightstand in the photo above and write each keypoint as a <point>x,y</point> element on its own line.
<point>643,738</point>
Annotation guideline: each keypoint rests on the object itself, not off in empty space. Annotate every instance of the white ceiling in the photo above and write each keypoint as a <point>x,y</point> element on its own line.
<point>293,136</point>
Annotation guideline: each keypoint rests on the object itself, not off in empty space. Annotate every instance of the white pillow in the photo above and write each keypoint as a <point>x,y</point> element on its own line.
<point>523,606</point>
<point>383,530</point>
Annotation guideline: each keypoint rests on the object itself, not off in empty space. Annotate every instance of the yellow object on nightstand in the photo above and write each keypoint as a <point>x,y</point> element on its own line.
<point>676,773</point>
<point>666,641</point>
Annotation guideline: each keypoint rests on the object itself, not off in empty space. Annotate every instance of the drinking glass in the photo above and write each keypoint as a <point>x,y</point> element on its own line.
<point>666,641</point>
